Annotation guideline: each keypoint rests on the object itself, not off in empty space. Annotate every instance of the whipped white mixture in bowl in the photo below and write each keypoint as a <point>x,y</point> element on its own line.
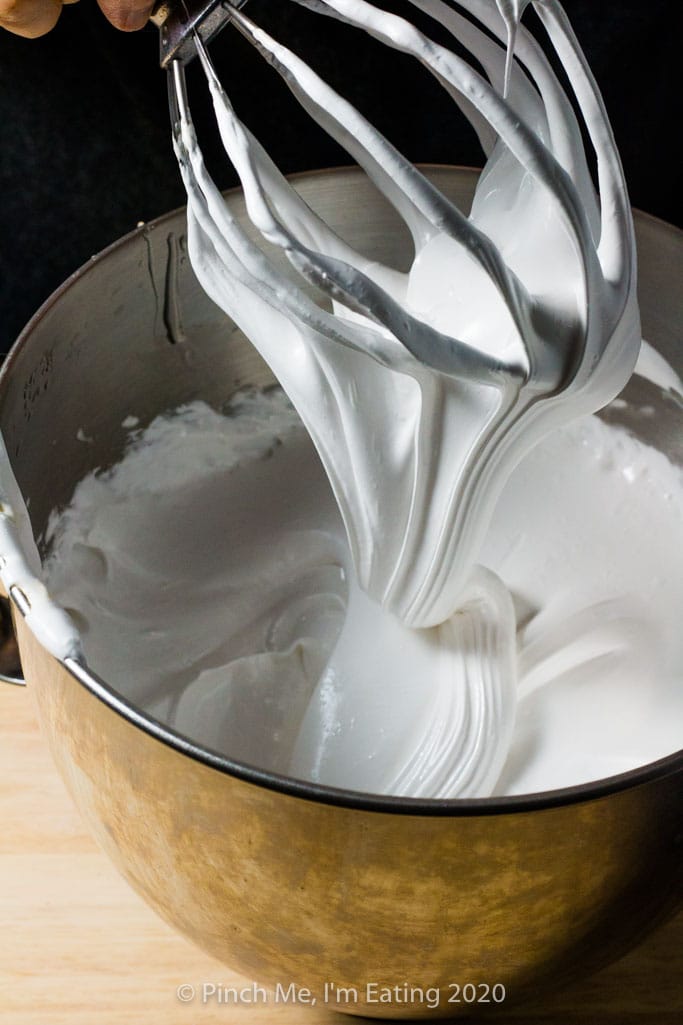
<point>211,580</point>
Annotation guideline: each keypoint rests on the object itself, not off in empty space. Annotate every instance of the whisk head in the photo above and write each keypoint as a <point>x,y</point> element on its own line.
<point>546,327</point>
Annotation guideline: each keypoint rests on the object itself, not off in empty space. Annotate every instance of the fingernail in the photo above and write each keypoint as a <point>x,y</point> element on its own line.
<point>131,21</point>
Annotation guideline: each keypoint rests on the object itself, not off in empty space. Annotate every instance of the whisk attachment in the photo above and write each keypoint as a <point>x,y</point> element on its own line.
<point>546,324</point>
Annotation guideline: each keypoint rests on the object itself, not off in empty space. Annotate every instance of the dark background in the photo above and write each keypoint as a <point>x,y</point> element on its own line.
<point>85,143</point>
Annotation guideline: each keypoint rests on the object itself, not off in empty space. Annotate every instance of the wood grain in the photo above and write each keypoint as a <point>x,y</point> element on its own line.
<point>78,947</point>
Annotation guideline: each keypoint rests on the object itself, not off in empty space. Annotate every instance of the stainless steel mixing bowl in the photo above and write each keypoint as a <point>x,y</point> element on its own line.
<point>292,882</point>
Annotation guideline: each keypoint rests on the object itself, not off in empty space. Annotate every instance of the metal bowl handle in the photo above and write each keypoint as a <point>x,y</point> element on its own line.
<point>9,653</point>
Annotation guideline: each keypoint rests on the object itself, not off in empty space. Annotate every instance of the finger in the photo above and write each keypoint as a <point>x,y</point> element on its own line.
<point>29,18</point>
<point>128,15</point>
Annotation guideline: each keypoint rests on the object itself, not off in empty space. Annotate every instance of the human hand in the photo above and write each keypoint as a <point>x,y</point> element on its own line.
<point>32,18</point>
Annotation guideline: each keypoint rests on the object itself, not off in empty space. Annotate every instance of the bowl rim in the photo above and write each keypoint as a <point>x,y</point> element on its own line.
<point>662,768</point>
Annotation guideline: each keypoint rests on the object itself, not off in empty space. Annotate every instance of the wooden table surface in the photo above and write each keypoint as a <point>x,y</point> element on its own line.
<point>78,947</point>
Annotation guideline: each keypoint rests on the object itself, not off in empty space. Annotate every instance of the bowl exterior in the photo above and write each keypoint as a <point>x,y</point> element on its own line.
<point>352,903</point>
